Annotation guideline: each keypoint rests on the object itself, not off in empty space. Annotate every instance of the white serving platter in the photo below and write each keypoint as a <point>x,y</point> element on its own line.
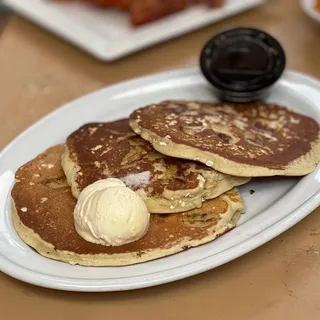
<point>107,33</point>
<point>277,204</point>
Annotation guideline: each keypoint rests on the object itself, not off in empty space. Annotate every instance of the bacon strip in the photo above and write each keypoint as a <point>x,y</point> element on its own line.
<point>212,3</point>
<point>143,11</point>
<point>121,4</point>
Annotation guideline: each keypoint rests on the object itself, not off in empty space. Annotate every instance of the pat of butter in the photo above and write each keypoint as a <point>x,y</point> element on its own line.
<point>110,214</point>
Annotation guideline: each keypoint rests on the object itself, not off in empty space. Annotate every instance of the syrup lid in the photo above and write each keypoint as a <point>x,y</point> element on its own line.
<point>242,63</point>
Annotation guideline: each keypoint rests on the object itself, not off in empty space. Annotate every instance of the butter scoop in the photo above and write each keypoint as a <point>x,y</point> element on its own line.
<point>110,214</point>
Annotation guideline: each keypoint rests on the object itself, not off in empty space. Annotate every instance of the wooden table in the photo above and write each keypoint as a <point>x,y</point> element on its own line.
<point>280,280</point>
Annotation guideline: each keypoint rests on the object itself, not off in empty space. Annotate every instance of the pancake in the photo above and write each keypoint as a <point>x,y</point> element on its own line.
<point>167,185</point>
<point>43,217</point>
<point>248,140</point>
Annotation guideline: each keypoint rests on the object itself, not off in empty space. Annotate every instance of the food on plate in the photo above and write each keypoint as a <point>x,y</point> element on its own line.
<point>144,11</point>
<point>122,4</point>
<point>107,198</point>
<point>109,213</point>
<point>43,216</point>
<point>211,3</point>
<point>250,140</point>
<point>318,5</point>
<point>104,150</point>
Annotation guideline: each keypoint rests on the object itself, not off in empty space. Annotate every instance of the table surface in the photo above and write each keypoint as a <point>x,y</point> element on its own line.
<point>39,72</point>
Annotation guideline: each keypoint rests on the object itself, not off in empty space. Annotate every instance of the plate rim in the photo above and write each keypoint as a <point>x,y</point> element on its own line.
<point>267,234</point>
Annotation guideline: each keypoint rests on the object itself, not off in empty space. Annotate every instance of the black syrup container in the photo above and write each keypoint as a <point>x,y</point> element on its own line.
<point>242,64</point>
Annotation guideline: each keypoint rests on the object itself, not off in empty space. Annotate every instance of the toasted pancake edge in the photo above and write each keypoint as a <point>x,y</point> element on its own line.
<point>158,204</point>
<point>298,167</point>
<point>46,249</point>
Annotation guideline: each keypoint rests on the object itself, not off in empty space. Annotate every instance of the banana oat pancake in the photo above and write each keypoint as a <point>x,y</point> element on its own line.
<point>250,140</point>
<point>167,185</point>
<point>43,217</point>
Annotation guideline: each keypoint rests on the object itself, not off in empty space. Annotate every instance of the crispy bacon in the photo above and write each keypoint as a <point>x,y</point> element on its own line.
<point>121,4</point>
<point>143,11</point>
<point>210,3</point>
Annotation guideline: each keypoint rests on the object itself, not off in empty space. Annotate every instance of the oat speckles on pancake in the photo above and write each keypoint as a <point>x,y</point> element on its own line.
<point>249,140</point>
<point>161,181</point>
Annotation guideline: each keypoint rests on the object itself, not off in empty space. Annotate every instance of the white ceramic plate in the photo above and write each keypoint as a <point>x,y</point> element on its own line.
<point>108,35</point>
<point>308,7</point>
<point>276,205</point>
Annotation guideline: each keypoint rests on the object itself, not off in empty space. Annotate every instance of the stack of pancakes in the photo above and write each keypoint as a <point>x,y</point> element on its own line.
<point>184,159</point>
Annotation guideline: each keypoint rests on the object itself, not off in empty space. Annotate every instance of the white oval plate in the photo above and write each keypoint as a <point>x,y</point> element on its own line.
<point>308,7</point>
<point>276,205</point>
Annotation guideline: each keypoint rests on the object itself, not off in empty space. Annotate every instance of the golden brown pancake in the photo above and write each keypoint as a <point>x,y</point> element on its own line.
<point>43,217</point>
<point>250,140</point>
<point>167,185</point>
